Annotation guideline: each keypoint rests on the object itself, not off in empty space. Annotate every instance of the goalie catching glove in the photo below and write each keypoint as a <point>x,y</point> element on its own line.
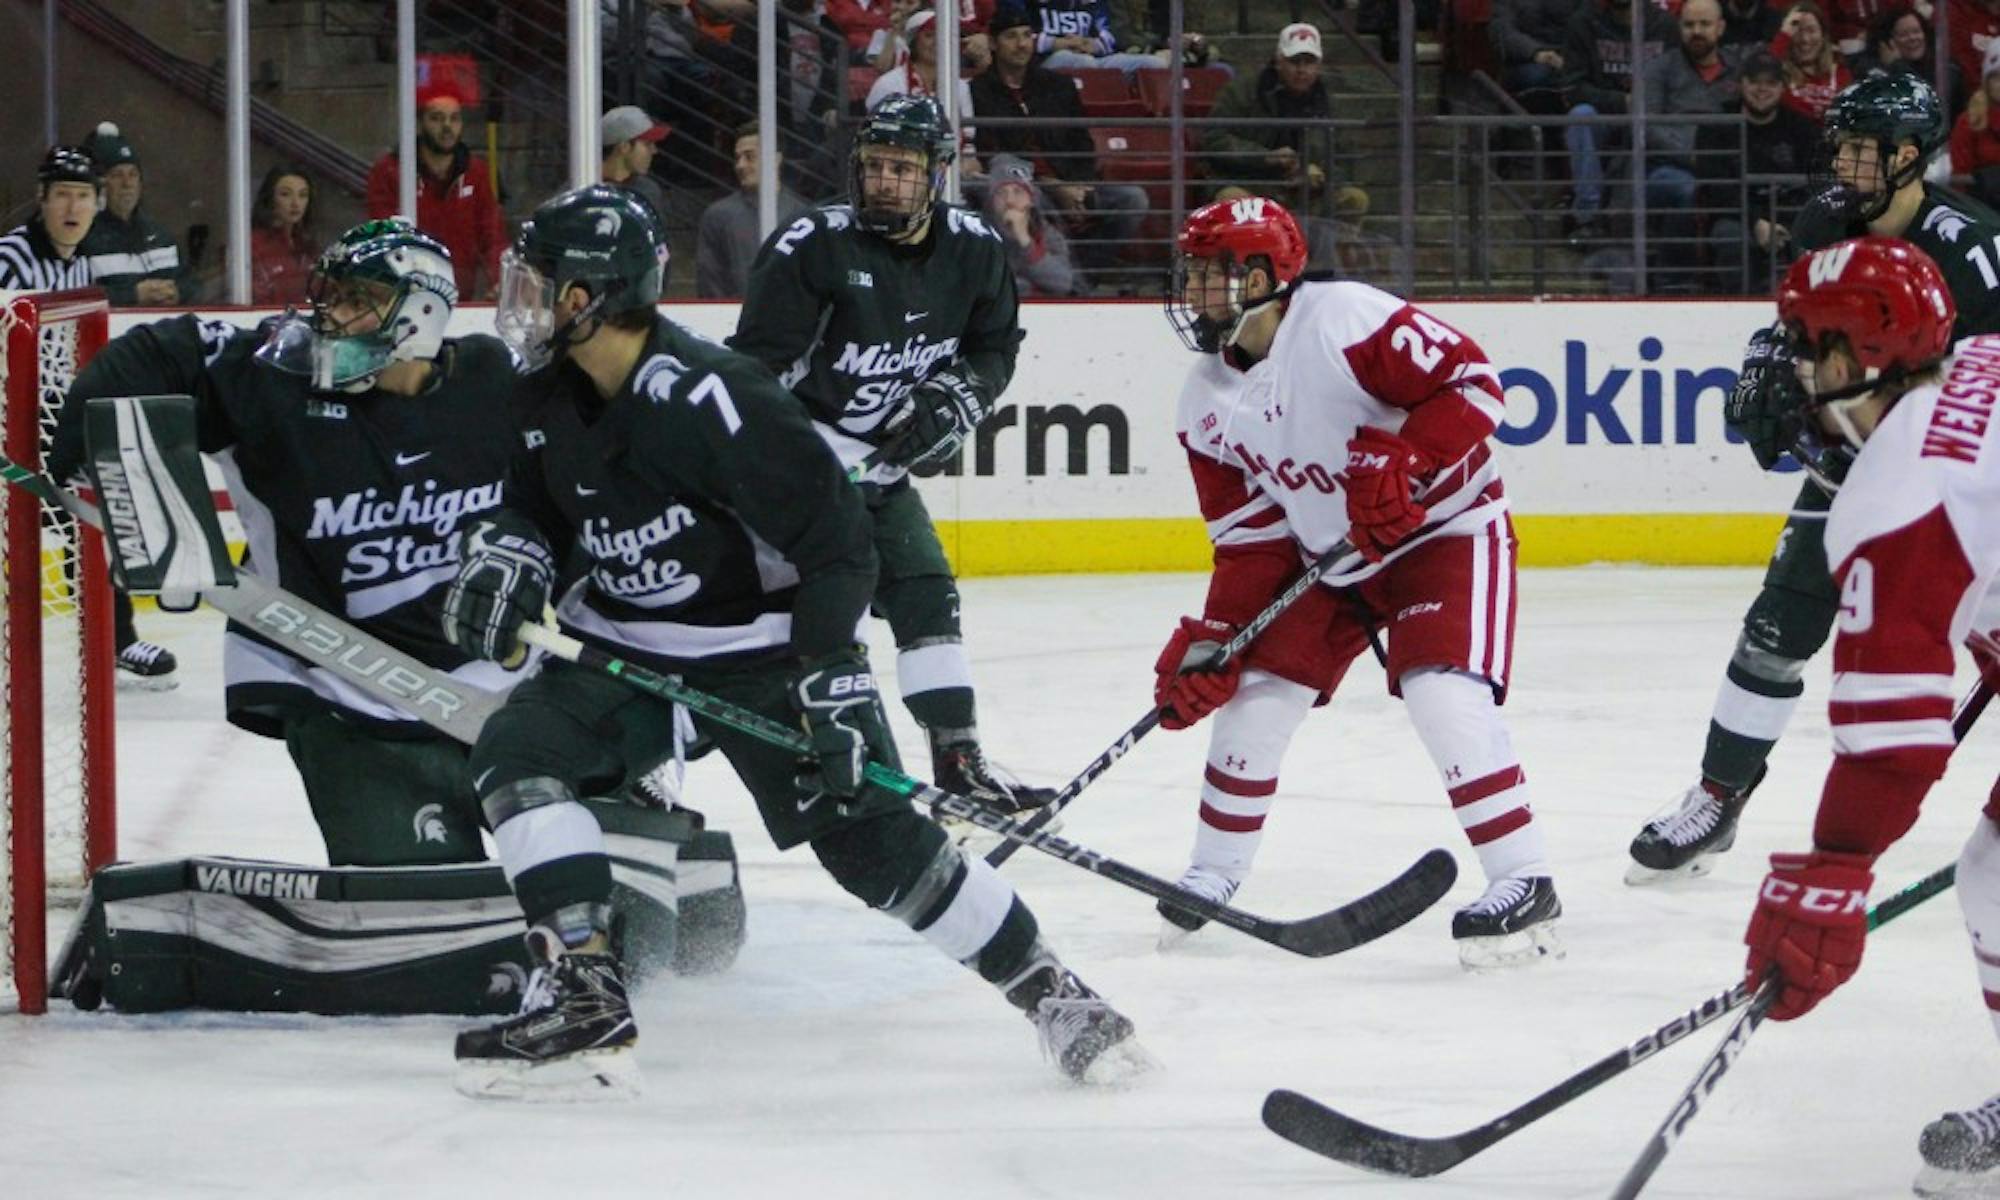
<point>944,410</point>
<point>842,712</point>
<point>1191,682</point>
<point>505,572</point>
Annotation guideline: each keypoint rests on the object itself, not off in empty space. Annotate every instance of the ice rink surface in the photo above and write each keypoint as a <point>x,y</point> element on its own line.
<point>843,1057</point>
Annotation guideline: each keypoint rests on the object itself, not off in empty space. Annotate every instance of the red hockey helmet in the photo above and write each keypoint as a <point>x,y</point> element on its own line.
<point>1251,231</point>
<point>1886,296</point>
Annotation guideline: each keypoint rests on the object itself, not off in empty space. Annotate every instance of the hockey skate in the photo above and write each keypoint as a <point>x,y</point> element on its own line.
<point>962,767</point>
<point>573,1039</point>
<point>1683,841</point>
<point>1961,1153</point>
<point>1514,923</point>
<point>1090,1041</point>
<point>143,666</point>
<point>1178,925</point>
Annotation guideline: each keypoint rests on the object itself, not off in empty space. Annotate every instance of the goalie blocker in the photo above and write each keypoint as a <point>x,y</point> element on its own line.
<point>248,936</point>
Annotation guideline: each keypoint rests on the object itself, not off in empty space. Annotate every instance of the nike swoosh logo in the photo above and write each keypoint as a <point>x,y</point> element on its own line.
<point>915,316</point>
<point>479,780</point>
<point>809,801</point>
<point>404,460</point>
<point>584,491</point>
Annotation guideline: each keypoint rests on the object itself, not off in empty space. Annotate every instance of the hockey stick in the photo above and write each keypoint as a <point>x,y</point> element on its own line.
<point>319,637</point>
<point>1119,749</point>
<point>1325,1131</point>
<point>1386,908</point>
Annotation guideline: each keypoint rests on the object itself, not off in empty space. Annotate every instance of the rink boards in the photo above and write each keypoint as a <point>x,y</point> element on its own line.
<point>1613,449</point>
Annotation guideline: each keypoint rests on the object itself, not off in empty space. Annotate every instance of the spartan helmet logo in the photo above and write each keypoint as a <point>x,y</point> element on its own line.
<point>505,979</point>
<point>428,824</point>
<point>608,223</point>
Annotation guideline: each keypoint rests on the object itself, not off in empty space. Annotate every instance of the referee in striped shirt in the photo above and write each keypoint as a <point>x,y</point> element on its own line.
<point>41,256</point>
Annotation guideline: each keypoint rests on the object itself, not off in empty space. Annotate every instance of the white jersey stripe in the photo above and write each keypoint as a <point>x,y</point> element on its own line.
<point>1873,737</point>
<point>1859,687</point>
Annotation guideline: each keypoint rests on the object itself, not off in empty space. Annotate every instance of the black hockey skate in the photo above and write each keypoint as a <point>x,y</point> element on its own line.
<point>147,667</point>
<point>572,1040</point>
<point>1087,1038</point>
<point>962,767</point>
<point>1177,924</point>
<point>1683,842</point>
<point>1512,924</point>
<point>1961,1153</point>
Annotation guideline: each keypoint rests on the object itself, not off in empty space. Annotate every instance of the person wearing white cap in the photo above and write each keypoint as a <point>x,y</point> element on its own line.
<point>1288,88</point>
<point>630,137</point>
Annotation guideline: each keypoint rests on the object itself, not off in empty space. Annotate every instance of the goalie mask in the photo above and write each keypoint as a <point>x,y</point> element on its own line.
<point>897,171</point>
<point>1866,125</point>
<point>1880,301</point>
<point>1218,247</point>
<point>601,238</point>
<point>382,293</point>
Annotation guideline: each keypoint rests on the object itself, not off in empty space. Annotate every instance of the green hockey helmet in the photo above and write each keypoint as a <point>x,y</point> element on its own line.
<point>601,238</point>
<point>381,293</point>
<point>891,205</point>
<point>1888,109</point>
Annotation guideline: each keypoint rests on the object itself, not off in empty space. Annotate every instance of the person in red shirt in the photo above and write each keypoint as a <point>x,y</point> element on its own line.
<point>1975,142</point>
<point>284,243</point>
<point>1973,25</point>
<point>1814,74</point>
<point>455,201</point>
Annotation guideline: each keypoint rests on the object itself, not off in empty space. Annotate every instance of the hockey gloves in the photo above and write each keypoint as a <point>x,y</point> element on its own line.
<point>1382,508</point>
<point>1190,683</point>
<point>842,713</point>
<point>1764,408</point>
<point>944,410</point>
<point>1810,925</point>
<point>505,572</point>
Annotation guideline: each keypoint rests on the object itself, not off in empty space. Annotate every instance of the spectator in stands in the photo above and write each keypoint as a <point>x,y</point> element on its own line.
<point>1527,40</point>
<point>1775,140</point>
<point>284,241</point>
<point>917,76</point>
<point>1076,35</point>
<point>1036,250</point>
<point>630,137</point>
<point>729,234</point>
<point>1597,72</point>
<point>455,201</point>
<point>1147,23</point>
<point>1749,23</point>
<point>1276,156</point>
<point>1697,78</point>
<point>1900,41</point>
<point>1973,25</point>
<point>41,255</point>
<point>891,47</point>
<point>1102,217</point>
<point>1975,139</point>
<point>131,257</point>
<point>1814,74</point>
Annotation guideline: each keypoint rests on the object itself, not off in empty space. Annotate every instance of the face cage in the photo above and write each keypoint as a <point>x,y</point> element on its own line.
<point>1198,331</point>
<point>1857,205</point>
<point>324,352</point>
<point>525,314</point>
<point>876,220</point>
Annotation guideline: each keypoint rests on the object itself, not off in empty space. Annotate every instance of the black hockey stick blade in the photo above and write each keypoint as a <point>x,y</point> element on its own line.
<point>1384,910</point>
<point>1329,1133</point>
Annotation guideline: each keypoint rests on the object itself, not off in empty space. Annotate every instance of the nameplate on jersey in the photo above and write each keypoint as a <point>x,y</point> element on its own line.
<point>159,516</point>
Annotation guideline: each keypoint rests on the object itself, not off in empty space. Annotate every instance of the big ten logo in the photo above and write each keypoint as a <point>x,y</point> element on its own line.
<point>1029,430</point>
<point>1596,402</point>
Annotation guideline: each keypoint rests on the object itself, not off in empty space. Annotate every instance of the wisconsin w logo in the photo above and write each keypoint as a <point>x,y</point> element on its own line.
<point>1829,264</point>
<point>1250,208</point>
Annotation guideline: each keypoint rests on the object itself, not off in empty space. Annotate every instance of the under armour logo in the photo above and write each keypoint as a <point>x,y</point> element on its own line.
<point>1454,773</point>
<point>1235,761</point>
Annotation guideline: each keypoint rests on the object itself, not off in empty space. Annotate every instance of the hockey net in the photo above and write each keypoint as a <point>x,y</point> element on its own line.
<point>58,823</point>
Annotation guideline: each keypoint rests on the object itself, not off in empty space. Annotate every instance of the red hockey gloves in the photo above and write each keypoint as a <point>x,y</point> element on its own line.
<point>1810,925</point>
<point>1191,684</point>
<point>1381,503</point>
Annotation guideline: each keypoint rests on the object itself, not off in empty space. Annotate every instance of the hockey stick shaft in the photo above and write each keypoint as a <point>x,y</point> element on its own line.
<point>313,634</point>
<point>1236,645</point>
<point>1315,937</point>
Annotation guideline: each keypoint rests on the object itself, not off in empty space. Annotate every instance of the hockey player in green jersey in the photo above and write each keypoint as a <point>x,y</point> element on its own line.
<point>1881,133</point>
<point>714,537</point>
<point>895,319</point>
<point>358,442</point>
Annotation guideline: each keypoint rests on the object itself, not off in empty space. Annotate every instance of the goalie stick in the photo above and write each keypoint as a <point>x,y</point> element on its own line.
<point>1381,911</point>
<point>1307,1123</point>
<point>1236,645</point>
<point>319,637</point>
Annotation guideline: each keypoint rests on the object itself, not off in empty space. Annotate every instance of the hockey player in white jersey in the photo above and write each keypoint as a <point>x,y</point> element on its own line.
<point>1913,540</point>
<point>1322,411</point>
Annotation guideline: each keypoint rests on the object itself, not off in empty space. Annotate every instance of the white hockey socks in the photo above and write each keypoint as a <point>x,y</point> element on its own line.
<point>1460,726</point>
<point>1979,900</point>
<point>1244,749</point>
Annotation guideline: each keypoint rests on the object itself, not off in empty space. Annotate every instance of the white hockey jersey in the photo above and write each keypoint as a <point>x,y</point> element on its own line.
<point>1914,544</point>
<point>1266,444</point>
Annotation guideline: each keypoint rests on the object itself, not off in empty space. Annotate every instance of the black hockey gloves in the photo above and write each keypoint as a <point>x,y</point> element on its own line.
<point>836,696</point>
<point>505,572</point>
<point>944,410</point>
<point>1764,408</point>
